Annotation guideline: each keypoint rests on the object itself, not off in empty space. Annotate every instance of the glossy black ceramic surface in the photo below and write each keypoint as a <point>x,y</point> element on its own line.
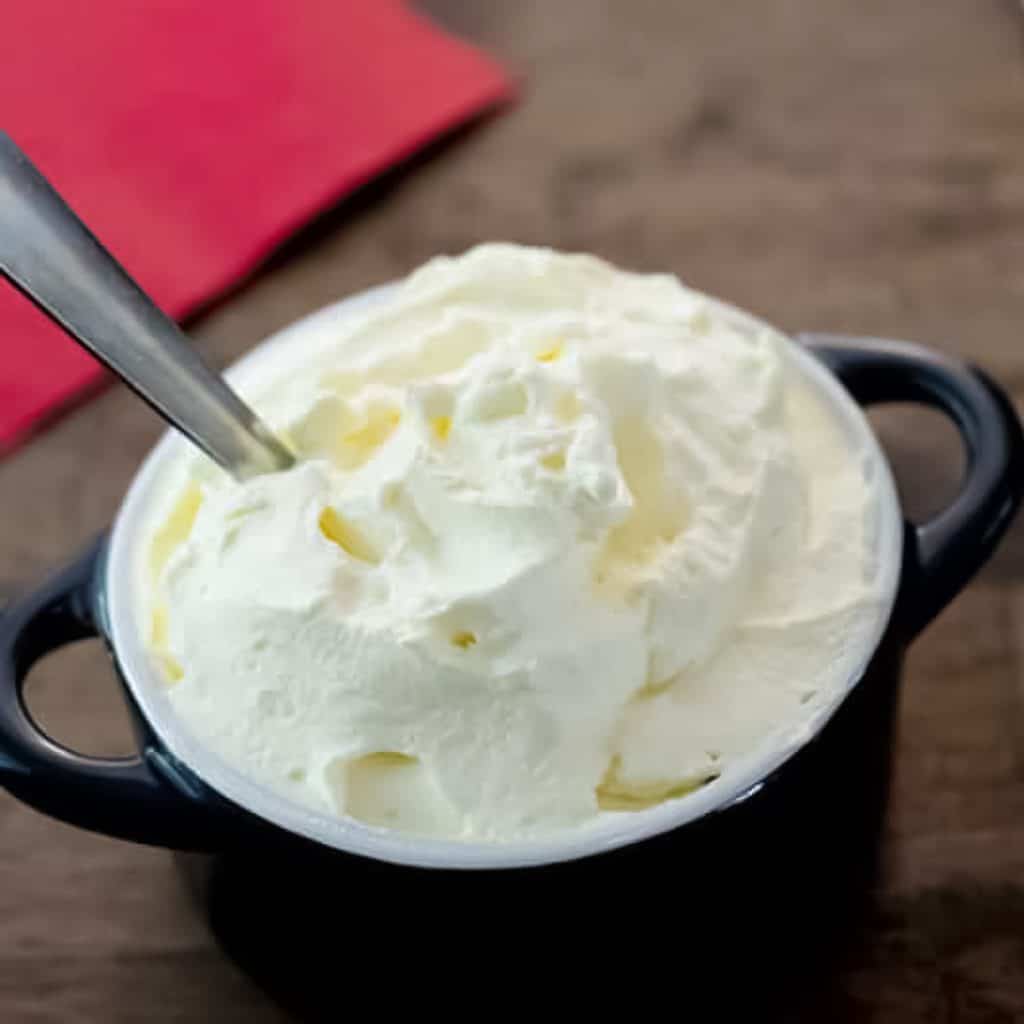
<point>773,863</point>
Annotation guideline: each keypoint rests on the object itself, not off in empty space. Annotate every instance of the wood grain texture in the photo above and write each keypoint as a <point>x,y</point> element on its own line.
<point>835,166</point>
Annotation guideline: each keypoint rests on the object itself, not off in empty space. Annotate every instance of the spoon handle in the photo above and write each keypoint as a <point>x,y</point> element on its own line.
<point>53,258</point>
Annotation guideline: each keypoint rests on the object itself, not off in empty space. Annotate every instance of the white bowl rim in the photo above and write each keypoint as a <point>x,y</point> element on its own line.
<point>609,831</point>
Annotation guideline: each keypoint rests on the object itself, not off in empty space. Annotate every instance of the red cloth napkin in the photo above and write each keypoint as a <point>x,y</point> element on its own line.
<point>193,137</point>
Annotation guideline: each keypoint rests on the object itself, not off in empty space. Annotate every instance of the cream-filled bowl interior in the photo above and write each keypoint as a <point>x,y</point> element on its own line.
<point>128,614</point>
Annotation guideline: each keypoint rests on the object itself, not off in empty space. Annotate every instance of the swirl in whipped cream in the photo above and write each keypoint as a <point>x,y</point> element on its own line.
<point>563,540</point>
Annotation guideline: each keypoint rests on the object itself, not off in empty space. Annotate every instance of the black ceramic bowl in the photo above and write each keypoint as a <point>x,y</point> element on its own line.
<point>745,867</point>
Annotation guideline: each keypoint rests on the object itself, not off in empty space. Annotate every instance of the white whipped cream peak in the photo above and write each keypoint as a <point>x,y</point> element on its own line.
<point>563,539</point>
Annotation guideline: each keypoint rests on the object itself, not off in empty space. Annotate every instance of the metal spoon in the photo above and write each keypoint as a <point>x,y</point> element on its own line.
<point>53,258</point>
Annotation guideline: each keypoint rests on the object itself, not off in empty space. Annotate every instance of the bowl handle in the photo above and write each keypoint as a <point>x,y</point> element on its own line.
<point>942,554</point>
<point>141,798</point>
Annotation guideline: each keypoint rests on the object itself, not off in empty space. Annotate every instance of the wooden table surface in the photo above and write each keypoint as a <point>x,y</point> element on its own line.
<point>850,167</point>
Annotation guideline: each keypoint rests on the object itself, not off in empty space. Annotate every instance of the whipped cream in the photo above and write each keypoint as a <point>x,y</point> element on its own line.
<point>564,541</point>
